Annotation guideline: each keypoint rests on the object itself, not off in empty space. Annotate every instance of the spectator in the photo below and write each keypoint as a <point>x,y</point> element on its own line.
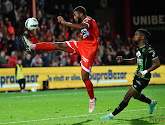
<point>108,44</point>
<point>3,61</point>
<point>11,44</point>
<point>48,34</point>
<point>65,33</point>
<point>1,40</point>
<point>100,30</point>
<point>34,39</point>
<point>12,60</point>
<point>6,21</point>
<point>75,63</point>
<point>72,37</point>
<point>3,28</point>
<point>54,62</point>
<point>36,61</point>
<point>117,42</point>
<point>51,27</point>
<point>62,10</point>
<point>109,61</point>
<point>27,60</point>
<point>51,31</point>
<point>15,17</point>
<point>120,52</point>
<point>39,14</point>
<point>70,9</point>
<point>113,53</point>
<point>128,41</point>
<point>74,59</point>
<point>65,59</point>
<point>101,49</point>
<point>7,8</point>
<point>53,38</point>
<point>10,29</point>
<point>45,59</point>
<point>107,30</point>
<point>98,61</point>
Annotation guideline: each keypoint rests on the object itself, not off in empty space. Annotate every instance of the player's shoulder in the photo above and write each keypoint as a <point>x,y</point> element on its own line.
<point>149,47</point>
<point>151,50</point>
<point>88,18</point>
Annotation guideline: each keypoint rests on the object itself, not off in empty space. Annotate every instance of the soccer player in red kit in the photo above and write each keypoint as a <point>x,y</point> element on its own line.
<point>87,48</point>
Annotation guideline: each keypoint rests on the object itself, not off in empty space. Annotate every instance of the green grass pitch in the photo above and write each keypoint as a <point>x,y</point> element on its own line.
<point>70,106</point>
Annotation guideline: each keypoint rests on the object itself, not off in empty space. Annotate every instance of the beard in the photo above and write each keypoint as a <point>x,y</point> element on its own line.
<point>79,21</point>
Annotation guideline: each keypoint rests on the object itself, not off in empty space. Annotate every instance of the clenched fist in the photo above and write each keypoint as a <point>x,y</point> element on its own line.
<point>61,19</point>
<point>119,59</point>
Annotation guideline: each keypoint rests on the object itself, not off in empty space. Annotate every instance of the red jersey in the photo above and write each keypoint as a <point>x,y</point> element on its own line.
<point>91,33</point>
<point>88,47</point>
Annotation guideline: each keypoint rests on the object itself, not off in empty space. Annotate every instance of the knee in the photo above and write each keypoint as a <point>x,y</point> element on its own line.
<point>136,97</point>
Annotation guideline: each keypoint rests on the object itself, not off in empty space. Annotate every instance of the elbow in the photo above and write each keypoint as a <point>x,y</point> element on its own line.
<point>158,64</point>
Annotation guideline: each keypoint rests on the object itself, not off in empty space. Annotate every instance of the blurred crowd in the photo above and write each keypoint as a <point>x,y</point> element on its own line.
<point>14,13</point>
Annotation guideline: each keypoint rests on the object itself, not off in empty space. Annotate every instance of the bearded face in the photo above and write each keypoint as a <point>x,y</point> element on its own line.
<point>77,17</point>
<point>79,20</point>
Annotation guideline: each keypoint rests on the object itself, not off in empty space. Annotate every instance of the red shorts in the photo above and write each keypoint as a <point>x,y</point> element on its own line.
<point>87,53</point>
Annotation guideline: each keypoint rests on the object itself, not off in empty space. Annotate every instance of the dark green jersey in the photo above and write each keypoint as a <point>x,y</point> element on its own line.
<point>145,55</point>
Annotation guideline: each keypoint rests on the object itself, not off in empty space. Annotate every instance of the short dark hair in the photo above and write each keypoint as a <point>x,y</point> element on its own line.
<point>80,9</point>
<point>144,32</point>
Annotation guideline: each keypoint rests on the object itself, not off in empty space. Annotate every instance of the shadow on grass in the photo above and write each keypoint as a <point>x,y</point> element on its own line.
<point>140,121</point>
<point>80,123</point>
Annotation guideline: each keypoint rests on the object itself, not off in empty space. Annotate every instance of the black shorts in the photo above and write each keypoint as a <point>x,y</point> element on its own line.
<point>139,84</point>
<point>21,81</point>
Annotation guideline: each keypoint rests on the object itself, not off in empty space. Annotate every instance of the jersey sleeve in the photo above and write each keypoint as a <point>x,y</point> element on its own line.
<point>152,54</point>
<point>88,22</point>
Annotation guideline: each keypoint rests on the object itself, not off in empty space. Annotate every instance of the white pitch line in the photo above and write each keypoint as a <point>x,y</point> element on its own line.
<point>70,117</point>
<point>66,94</point>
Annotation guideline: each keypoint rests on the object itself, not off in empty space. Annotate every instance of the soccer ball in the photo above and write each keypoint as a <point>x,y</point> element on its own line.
<point>33,89</point>
<point>31,23</point>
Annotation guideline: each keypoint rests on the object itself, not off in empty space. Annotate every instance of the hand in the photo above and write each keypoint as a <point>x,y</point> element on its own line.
<point>119,59</point>
<point>139,75</point>
<point>61,19</point>
<point>142,73</point>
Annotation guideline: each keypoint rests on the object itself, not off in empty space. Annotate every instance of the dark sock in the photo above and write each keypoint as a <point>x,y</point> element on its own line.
<point>23,85</point>
<point>20,86</point>
<point>120,108</point>
<point>143,98</point>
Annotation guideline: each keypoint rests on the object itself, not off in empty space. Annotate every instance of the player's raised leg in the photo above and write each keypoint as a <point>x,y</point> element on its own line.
<point>47,46</point>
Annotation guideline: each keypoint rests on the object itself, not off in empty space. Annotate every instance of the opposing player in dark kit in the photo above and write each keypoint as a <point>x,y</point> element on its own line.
<point>147,61</point>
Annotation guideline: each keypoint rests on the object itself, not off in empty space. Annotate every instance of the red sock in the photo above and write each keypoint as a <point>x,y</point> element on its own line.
<point>89,87</point>
<point>45,46</point>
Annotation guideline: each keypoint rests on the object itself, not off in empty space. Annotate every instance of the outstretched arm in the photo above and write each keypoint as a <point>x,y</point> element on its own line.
<point>72,25</point>
<point>121,59</point>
